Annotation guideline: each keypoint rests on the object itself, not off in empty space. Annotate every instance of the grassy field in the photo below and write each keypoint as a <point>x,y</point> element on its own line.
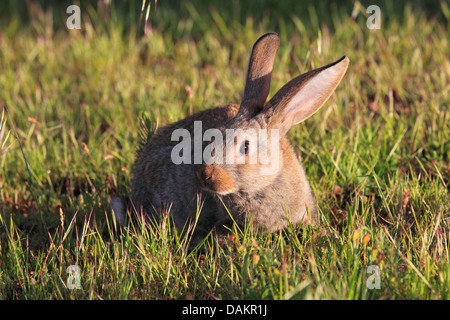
<point>377,154</point>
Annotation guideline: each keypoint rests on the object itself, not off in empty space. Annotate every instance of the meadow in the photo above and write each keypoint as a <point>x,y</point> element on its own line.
<point>377,154</point>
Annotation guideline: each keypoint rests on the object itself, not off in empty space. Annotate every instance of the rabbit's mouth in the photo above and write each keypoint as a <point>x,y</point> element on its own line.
<point>224,193</point>
<point>214,179</point>
<point>217,192</point>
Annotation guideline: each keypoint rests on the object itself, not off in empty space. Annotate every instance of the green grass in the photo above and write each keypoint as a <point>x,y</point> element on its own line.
<point>377,154</point>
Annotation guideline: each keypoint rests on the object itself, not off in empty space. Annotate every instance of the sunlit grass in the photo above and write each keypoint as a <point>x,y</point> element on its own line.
<point>377,155</point>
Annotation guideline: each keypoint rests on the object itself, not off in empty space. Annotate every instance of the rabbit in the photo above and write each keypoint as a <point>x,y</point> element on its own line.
<point>226,192</point>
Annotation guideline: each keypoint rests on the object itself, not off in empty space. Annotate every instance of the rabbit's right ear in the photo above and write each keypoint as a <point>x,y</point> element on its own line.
<point>301,97</point>
<point>259,72</point>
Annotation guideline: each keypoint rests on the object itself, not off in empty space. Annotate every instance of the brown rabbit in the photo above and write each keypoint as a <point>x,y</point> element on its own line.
<point>232,182</point>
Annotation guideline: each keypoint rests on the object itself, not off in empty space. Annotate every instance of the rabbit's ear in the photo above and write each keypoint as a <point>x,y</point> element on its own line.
<point>301,97</point>
<point>259,72</point>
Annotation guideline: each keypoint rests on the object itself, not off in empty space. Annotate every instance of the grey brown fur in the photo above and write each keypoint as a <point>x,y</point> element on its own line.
<point>269,201</point>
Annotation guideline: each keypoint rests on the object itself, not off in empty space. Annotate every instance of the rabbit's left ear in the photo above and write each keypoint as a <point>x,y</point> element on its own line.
<point>301,97</point>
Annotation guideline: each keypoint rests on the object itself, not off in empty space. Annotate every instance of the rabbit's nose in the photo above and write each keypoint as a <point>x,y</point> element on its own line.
<point>215,179</point>
<point>204,173</point>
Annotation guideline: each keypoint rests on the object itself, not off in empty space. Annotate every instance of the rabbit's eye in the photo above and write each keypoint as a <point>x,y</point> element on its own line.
<point>245,148</point>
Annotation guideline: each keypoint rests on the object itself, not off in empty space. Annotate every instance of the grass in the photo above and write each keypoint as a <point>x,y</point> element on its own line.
<point>377,154</point>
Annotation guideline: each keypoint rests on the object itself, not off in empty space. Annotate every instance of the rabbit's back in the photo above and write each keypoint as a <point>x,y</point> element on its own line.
<point>211,118</point>
<point>157,183</point>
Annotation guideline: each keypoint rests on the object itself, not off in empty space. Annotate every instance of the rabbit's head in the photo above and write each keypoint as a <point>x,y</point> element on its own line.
<point>247,153</point>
